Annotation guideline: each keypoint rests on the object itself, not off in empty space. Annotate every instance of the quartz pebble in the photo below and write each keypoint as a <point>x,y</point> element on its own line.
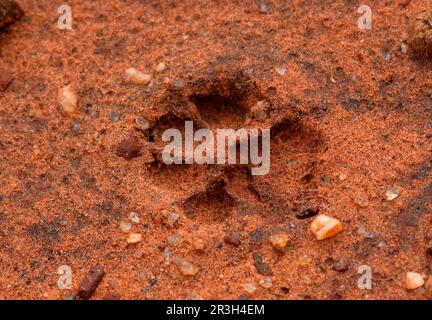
<point>279,241</point>
<point>342,176</point>
<point>137,77</point>
<point>186,268</point>
<point>161,67</point>
<point>324,227</point>
<point>281,71</point>
<point>141,123</point>
<point>68,100</point>
<point>393,192</point>
<point>413,280</point>
<point>134,217</point>
<point>172,218</point>
<point>250,287</point>
<point>125,226</point>
<point>174,239</point>
<point>134,238</point>
<point>263,7</point>
<point>266,282</point>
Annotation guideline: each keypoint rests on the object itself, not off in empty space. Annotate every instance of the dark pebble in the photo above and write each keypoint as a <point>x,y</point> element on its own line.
<point>233,239</point>
<point>114,116</point>
<point>257,237</point>
<point>285,290</point>
<point>75,127</point>
<point>90,282</point>
<point>262,267</point>
<point>308,213</point>
<point>129,148</point>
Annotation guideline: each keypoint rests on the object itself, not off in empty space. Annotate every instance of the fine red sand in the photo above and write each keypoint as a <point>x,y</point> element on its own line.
<point>351,102</point>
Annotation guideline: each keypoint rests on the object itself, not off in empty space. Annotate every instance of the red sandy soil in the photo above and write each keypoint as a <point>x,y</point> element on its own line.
<point>350,102</point>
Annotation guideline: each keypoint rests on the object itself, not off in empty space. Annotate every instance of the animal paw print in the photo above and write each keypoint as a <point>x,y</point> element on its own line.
<point>213,192</point>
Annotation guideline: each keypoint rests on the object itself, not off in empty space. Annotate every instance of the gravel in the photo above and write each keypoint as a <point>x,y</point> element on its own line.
<point>134,217</point>
<point>393,192</point>
<point>134,76</point>
<point>90,282</point>
<point>186,268</point>
<point>324,227</point>
<point>161,67</point>
<point>279,241</point>
<point>68,100</point>
<point>262,267</point>
<point>125,226</point>
<point>413,280</point>
<point>134,238</point>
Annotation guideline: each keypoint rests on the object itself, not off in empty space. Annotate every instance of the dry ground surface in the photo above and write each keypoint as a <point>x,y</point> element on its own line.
<point>350,117</point>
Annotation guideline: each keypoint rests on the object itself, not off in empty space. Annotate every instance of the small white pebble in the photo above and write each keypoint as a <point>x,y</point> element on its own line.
<point>68,100</point>
<point>172,218</point>
<point>413,280</point>
<point>324,227</point>
<point>250,287</point>
<point>125,226</point>
<point>281,70</point>
<point>137,77</point>
<point>161,67</point>
<point>342,176</point>
<point>141,123</point>
<point>174,239</point>
<point>266,282</point>
<point>134,217</point>
<point>393,192</point>
<point>134,238</point>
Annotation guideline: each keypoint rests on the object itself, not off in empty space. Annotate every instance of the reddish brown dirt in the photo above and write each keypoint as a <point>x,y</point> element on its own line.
<point>350,102</point>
